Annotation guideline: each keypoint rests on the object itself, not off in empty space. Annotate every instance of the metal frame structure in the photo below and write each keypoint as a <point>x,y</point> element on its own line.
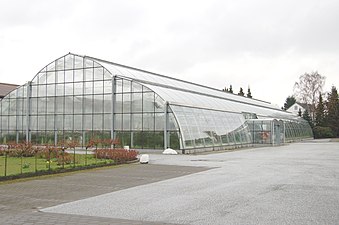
<point>81,97</point>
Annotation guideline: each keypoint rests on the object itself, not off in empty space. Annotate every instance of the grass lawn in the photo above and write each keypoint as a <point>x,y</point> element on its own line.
<point>16,165</point>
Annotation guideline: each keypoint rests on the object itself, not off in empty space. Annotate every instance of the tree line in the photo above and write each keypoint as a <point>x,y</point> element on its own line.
<point>321,108</point>
<point>241,91</point>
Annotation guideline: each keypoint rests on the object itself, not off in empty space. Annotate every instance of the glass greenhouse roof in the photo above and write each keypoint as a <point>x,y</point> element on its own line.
<point>179,92</point>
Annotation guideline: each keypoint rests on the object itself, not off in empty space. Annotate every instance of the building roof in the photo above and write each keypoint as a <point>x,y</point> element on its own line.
<point>6,88</point>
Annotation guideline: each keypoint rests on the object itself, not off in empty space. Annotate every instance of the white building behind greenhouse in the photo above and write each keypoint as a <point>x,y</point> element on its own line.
<point>80,97</point>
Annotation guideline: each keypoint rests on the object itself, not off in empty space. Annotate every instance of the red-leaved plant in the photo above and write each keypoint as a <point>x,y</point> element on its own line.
<point>118,155</point>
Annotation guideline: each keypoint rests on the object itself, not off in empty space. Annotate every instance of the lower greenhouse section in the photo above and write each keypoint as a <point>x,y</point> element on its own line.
<point>252,132</point>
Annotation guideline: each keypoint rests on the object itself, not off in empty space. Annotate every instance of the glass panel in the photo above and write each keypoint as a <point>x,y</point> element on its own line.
<point>118,87</point>
<point>69,76</point>
<point>148,121</point>
<point>60,76</point>
<point>42,78</point>
<point>69,89</point>
<point>68,122</point>
<point>51,90</point>
<point>88,86</point>
<point>60,64</point>
<point>68,105</point>
<point>78,75</point>
<point>148,102</point>
<point>51,77</point>
<point>59,89</point>
<point>107,103</point>
<point>77,122</point>
<point>50,122</point>
<point>78,104</point>
<point>118,103</point>
<point>136,87</point>
<point>118,122</point>
<point>108,87</point>
<point>41,122</point>
<point>97,122</point>
<point>137,121</point>
<point>41,90</point>
<point>42,105</point>
<point>127,103</point>
<point>88,104</point>
<point>89,74</point>
<point>88,122</point>
<point>69,61</point>
<point>126,125</point>
<point>88,63</point>
<point>137,102</point>
<point>98,103</point>
<point>78,88</point>
<point>78,63</point>
<point>98,73</point>
<point>127,86</point>
<point>107,121</point>
<point>98,87</point>
<point>59,104</point>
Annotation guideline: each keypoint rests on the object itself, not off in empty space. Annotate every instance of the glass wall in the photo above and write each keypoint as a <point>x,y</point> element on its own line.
<point>202,128</point>
<point>75,98</point>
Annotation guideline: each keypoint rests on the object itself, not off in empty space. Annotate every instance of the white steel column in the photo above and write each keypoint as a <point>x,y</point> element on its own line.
<point>166,123</point>
<point>28,110</point>
<point>113,107</point>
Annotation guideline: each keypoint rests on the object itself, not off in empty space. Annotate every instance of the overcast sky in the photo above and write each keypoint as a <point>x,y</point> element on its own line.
<point>264,44</point>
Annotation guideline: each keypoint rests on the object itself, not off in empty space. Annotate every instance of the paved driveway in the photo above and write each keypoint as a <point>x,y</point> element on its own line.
<point>293,184</point>
<point>20,201</point>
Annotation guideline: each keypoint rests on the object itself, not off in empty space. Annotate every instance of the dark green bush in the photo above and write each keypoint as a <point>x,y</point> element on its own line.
<point>322,132</point>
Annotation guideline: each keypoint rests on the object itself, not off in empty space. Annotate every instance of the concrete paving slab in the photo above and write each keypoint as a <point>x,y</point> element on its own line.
<point>20,201</point>
<point>291,184</point>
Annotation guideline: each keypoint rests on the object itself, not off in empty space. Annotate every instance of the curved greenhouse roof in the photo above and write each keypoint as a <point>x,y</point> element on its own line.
<point>79,97</point>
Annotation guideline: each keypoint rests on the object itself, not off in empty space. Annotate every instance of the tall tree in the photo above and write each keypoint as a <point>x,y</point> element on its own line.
<point>290,100</point>
<point>249,94</point>
<point>306,116</point>
<point>307,89</point>
<point>241,92</point>
<point>320,112</point>
<point>333,111</point>
<point>230,90</point>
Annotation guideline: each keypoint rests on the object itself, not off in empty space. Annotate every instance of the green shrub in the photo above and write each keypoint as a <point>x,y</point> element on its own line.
<point>322,132</point>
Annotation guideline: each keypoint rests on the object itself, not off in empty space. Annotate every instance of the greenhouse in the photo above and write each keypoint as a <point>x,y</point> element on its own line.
<point>80,97</point>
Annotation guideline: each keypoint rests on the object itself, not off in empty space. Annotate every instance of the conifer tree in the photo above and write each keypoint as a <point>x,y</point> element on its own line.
<point>299,112</point>
<point>320,112</point>
<point>333,111</point>
<point>306,116</point>
<point>290,100</point>
<point>230,90</point>
<point>249,94</point>
<point>241,92</point>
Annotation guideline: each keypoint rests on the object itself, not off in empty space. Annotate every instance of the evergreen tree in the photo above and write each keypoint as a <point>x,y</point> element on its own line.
<point>333,111</point>
<point>249,94</point>
<point>299,112</point>
<point>290,100</point>
<point>320,112</point>
<point>241,92</point>
<point>306,116</point>
<point>230,90</point>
